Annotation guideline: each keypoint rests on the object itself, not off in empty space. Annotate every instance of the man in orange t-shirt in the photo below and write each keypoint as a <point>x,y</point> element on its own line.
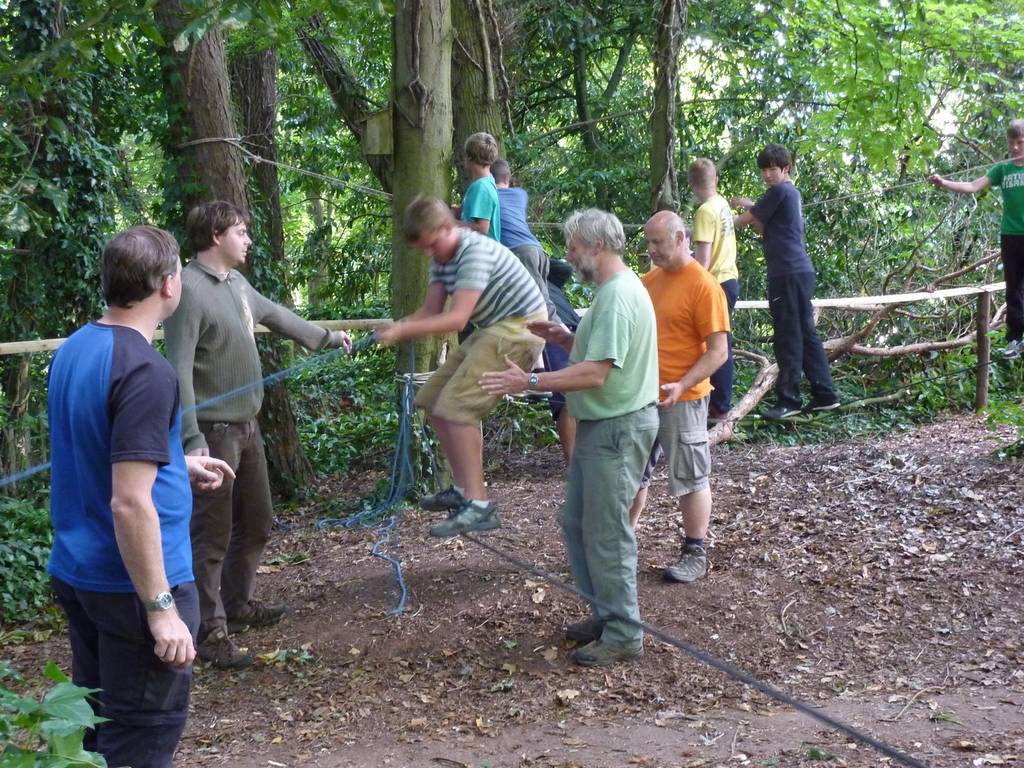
<point>693,331</point>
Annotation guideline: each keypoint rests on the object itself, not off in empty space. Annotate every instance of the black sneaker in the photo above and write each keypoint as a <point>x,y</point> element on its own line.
<point>584,631</point>
<point>824,405</point>
<point>447,499</point>
<point>780,412</point>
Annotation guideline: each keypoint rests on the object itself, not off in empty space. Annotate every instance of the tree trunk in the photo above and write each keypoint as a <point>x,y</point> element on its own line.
<point>255,75</point>
<point>347,93</point>
<point>475,100</point>
<point>664,183</point>
<point>422,120</point>
<point>198,97</point>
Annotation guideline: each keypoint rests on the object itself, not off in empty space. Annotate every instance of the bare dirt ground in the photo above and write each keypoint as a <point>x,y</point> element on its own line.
<point>880,579</point>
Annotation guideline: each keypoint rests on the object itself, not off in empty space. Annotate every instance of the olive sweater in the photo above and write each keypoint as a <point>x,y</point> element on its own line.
<point>211,344</point>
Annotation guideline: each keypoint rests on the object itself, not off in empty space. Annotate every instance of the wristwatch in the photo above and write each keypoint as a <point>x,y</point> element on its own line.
<point>533,382</point>
<point>161,602</point>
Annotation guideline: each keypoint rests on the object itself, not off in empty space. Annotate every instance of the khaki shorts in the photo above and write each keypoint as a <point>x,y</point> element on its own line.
<point>683,441</point>
<point>454,393</point>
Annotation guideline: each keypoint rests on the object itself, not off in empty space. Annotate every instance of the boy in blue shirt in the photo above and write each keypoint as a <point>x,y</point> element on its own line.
<point>1009,177</point>
<point>778,216</point>
<point>480,202</point>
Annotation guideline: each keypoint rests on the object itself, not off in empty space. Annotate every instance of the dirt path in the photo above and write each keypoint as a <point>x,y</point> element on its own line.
<point>880,579</point>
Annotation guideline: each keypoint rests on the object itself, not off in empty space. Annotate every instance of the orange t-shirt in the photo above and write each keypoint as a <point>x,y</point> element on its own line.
<point>689,305</point>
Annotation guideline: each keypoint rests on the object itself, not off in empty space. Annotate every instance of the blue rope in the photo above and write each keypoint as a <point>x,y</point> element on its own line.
<point>273,378</point>
<point>402,479</point>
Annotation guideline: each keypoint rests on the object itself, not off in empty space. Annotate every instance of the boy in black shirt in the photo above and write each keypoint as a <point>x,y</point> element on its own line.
<point>778,216</point>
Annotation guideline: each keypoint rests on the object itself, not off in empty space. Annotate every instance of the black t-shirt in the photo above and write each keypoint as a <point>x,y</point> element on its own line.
<point>780,212</point>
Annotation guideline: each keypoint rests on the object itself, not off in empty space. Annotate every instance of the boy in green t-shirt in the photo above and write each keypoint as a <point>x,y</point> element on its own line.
<point>480,202</point>
<point>1009,177</point>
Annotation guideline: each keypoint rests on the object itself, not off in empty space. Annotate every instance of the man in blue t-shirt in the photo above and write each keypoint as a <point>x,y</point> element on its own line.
<point>120,503</point>
<point>778,216</point>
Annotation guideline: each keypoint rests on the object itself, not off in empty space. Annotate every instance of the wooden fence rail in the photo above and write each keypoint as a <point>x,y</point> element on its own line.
<point>853,303</point>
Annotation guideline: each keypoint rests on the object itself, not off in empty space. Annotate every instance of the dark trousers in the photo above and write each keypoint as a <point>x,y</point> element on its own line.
<point>112,649</point>
<point>231,525</point>
<point>1012,252</point>
<point>796,341</point>
<point>721,380</point>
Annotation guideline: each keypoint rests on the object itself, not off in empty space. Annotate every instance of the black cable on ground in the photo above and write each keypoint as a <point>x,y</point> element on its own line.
<point>708,659</point>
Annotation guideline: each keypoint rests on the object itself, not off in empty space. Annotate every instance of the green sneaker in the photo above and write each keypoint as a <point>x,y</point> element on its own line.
<point>468,517</point>
<point>442,501</point>
<point>692,565</point>
<point>598,654</point>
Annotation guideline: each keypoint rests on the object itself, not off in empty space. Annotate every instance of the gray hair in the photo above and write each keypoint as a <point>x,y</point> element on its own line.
<point>593,226</point>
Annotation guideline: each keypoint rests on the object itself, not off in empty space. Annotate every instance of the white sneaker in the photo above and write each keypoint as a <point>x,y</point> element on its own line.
<point>1013,348</point>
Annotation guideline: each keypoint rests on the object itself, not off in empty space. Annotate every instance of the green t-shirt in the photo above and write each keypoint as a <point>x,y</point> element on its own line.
<point>481,202</point>
<point>1010,180</point>
<point>619,326</point>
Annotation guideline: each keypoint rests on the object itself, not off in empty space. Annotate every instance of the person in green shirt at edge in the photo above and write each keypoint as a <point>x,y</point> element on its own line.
<point>612,388</point>
<point>480,202</point>
<point>1009,177</point>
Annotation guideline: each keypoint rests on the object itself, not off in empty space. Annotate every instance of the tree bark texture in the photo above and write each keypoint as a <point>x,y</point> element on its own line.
<point>475,63</point>
<point>664,182</point>
<point>421,99</point>
<point>347,93</point>
<point>197,90</point>
<point>255,79</point>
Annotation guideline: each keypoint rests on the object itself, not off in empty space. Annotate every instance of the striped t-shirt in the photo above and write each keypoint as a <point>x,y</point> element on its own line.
<point>483,264</point>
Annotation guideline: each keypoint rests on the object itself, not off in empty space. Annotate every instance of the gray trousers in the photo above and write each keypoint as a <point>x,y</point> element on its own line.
<point>604,476</point>
<point>230,526</point>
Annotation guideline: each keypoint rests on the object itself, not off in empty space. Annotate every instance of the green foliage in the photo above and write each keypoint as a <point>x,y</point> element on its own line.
<point>346,411</point>
<point>25,540</point>
<point>1004,412</point>
<point>47,733</point>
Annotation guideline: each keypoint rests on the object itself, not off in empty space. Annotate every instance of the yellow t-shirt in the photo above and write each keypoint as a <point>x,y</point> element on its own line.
<point>713,224</point>
<point>689,306</point>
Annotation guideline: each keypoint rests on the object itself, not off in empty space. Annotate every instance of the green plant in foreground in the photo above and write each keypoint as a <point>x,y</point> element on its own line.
<point>47,733</point>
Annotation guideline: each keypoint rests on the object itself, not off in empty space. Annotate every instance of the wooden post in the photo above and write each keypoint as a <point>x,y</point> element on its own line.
<point>984,350</point>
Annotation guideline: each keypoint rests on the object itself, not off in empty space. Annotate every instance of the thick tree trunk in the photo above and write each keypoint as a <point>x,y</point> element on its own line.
<point>421,98</point>
<point>198,95</point>
<point>475,62</point>
<point>255,77</point>
<point>664,183</point>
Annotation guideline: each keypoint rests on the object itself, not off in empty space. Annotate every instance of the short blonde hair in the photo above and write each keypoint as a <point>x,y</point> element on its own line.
<point>702,173</point>
<point>423,215</point>
<point>481,148</point>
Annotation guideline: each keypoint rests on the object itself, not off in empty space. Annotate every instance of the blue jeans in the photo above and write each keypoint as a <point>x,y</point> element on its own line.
<point>721,380</point>
<point>112,649</point>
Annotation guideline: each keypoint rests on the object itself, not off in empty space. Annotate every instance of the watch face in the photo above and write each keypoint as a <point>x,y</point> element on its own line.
<point>161,602</point>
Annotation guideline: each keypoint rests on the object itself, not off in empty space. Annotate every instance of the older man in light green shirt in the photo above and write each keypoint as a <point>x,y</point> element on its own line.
<point>612,388</point>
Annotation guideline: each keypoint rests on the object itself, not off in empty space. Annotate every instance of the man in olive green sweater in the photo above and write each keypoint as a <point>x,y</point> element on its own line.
<point>211,344</point>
